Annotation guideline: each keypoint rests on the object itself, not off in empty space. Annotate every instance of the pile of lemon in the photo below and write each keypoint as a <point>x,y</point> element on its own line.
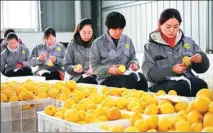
<point>31,90</point>
<point>198,117</point>
<point>88,100</point>
<point>123,92</point>
<point>70,90</point>
<point>19,91</point>
<point>143,102</point>
<point>87,110</point>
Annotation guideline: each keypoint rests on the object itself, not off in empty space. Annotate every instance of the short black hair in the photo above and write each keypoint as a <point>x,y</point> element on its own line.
<point>8,31</point>
<point>170,13</point>
<point>11,36</point>
<point>115,20</point>
<point>49,31</point>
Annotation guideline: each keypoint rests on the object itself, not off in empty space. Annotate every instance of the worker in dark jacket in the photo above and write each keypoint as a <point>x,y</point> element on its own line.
<point>76,60</point>
<point>48,57</point>
<point>170,54</point>
<point>110,51</point>
<point>14,59</point>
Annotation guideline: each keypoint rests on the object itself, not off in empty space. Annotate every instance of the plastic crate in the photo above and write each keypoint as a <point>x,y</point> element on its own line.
<point>95,127</point>
<point>51,124</point>
<point>56,103</point>
<point>14,118</point>
<point>23,125</point>
<point>23,78</point>
<point>29,124</point>
<point>13,110</point>
<point>48,123</point>
<point>11,126</point>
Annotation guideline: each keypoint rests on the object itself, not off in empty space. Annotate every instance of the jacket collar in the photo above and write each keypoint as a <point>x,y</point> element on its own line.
<point>156,37</point>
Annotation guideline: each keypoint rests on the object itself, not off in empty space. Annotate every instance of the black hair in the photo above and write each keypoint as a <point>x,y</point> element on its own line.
<point>170,13</point>
<point>11,36</point>
<point>49,31</point>
<point>83,22</point>
<point>115,20</point>
<point>8,31</point>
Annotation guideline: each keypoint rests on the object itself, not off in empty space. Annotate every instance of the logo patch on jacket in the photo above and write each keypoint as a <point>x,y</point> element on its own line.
<point>127,45</point>
<point>187,46</point>
<point>23,51</point>
<point>58,49</point>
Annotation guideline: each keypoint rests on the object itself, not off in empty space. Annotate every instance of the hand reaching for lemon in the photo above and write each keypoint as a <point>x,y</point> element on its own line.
<point>78,68</point>
<point>53,59</point>
<point>197,58</point>
<point>179,68</point>
<point>112,70</point>
<point>133,66</point>
<point>116,69</point>
<point>89,72</point>
<point>42,56</point>
<point>50,63</point>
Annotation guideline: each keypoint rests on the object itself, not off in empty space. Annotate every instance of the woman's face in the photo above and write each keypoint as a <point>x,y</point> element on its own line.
<point>170,28</point>
<point>50,40</point>
<point>12,43</point>
<point>116,33</point>
<point>86,33</point>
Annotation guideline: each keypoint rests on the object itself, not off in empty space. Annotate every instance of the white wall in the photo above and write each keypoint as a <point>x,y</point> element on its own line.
<point>33,38</point>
